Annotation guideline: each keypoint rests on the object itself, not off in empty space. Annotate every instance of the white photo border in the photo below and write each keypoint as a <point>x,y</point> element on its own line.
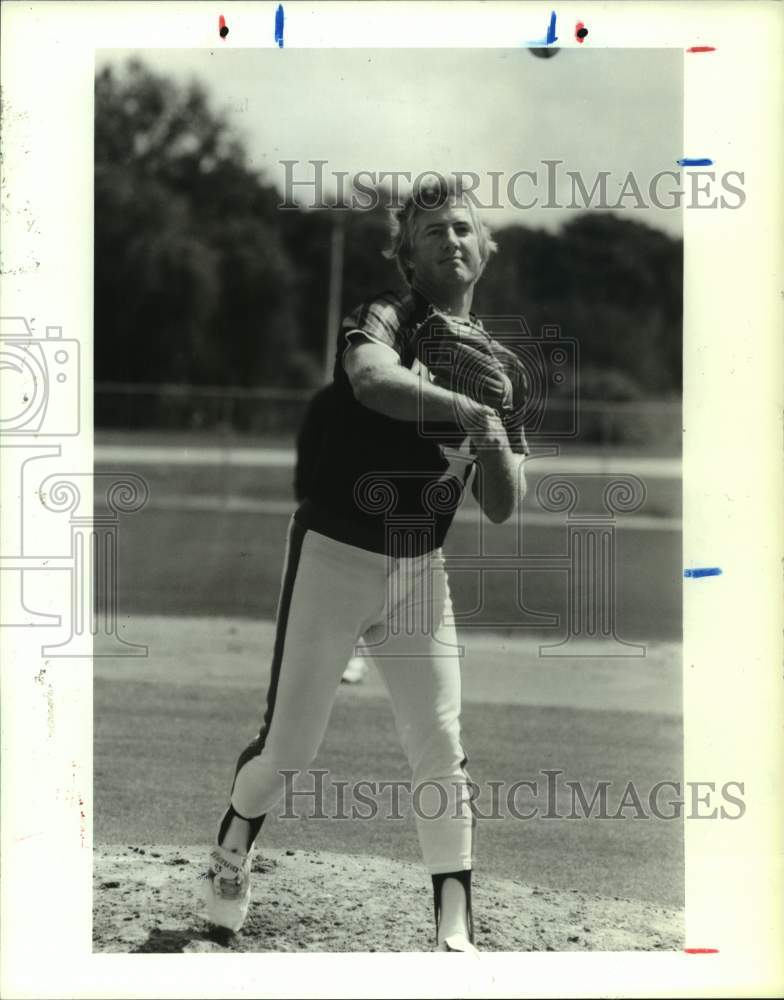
<point>733,691</point>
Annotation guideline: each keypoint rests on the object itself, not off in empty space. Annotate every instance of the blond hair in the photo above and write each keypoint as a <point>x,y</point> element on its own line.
<point>427,198</point>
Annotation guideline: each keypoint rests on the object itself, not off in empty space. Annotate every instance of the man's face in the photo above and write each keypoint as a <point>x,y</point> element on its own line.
<point>445,250</point>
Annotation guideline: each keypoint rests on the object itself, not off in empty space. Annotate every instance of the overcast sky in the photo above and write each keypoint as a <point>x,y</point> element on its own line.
<point>452,109</point>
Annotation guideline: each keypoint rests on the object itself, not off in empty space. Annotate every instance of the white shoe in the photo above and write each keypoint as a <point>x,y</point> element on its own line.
<point>227,888</point>
<point>458,942</point>
<point>355,671</point>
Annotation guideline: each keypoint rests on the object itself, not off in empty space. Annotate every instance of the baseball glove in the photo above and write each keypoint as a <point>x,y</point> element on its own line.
<point>467,361</point>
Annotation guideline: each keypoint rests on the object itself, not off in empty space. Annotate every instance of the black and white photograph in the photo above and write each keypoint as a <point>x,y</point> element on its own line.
<point>390,566</point>
<point>407,416</point>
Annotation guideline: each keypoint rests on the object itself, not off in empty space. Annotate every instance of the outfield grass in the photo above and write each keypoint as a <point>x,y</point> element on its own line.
<point>174,559</point>
<point>184,562</point>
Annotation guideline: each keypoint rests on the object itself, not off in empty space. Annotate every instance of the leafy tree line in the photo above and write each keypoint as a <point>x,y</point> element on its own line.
<point>200,278</point>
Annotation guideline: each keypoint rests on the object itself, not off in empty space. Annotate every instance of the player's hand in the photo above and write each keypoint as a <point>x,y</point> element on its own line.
<point>486,430</point>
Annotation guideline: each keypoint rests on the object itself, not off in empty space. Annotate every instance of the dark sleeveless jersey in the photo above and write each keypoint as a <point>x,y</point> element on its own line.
<point>390,486</point>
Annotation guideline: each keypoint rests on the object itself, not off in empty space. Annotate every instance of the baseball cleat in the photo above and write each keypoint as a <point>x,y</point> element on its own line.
<point>227,888</point>
<point>355,671</point>
<point>458,942</point>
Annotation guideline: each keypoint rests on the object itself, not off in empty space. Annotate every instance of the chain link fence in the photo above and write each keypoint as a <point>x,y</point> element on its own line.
<point>651,425</point>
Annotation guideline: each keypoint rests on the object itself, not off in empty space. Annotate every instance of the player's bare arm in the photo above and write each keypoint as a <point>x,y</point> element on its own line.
<point>499,481</point>
<point>381,383</point>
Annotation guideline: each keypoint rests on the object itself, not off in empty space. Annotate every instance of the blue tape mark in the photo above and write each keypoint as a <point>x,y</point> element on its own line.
<point>549,38</point>
<point>695,574</point>
<point>279,25</point>
<point>551,35</point>
<point>700,161</point>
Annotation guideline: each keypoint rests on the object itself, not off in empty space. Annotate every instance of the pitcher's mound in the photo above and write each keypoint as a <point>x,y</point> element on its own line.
<point>148,899</point>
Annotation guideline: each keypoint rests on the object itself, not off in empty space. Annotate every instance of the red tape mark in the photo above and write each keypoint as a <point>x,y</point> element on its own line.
<point>701,951</point>
<point>702,48</point>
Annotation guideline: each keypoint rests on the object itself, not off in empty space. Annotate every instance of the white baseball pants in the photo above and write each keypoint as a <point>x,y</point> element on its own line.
<point>331,594</point>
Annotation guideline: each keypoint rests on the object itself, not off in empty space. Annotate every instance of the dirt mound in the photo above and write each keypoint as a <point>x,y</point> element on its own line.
<point>148,899</point>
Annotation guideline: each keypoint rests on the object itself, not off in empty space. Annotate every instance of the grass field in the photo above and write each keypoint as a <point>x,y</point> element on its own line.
<point>211,538</point>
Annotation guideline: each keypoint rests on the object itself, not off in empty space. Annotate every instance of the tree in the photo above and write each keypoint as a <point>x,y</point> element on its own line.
<point>200,277</point>
<point>192,280</point>
<point>612,284</point>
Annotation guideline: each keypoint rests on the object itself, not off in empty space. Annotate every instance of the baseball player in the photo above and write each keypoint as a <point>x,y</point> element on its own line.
<point>310,440</point>
<point>424,401</point>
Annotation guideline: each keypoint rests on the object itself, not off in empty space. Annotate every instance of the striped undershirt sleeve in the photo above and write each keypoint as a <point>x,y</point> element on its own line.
<point>379,319</point>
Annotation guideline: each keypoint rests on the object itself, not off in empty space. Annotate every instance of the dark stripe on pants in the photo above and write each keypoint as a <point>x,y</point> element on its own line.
<point>296,537</point>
